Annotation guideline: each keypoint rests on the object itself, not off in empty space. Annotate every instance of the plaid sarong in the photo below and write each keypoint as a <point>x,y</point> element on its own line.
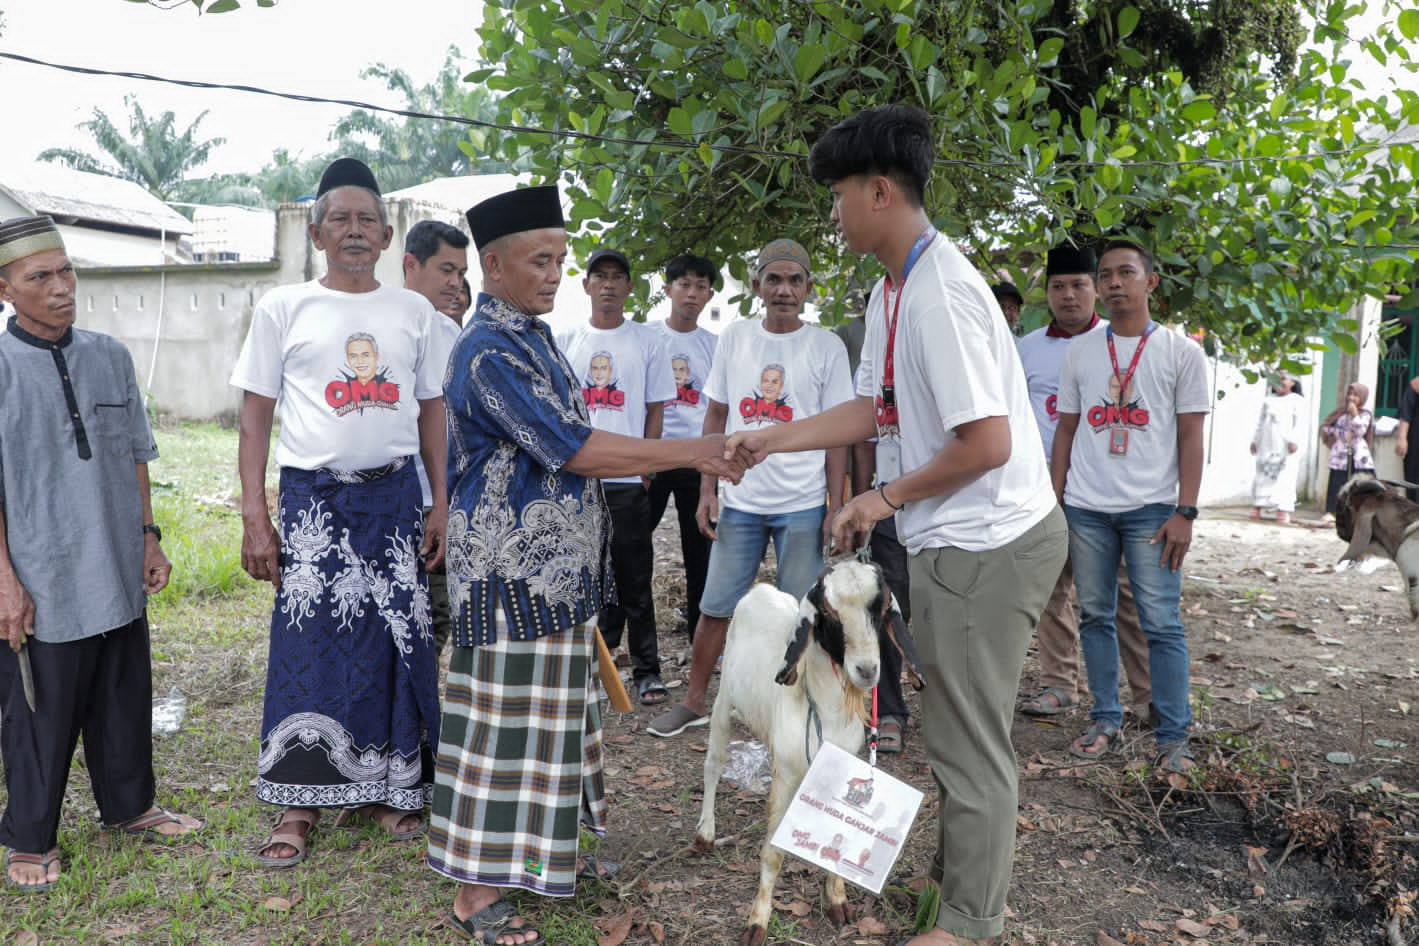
<point>519,762</point>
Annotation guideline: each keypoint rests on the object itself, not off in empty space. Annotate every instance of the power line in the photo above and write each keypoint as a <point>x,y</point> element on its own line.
<point>677,145</point>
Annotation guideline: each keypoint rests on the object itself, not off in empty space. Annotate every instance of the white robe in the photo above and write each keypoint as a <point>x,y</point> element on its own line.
<point>1281,425</point>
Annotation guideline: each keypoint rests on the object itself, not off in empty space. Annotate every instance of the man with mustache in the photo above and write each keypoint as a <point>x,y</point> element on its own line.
<point>352,687</point>
<point>74,574</point>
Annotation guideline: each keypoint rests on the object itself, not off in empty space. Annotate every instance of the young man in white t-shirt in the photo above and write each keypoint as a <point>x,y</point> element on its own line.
<point>1071,294</point>
<point>689,285</point>
<point>766,373</point>
<point>1128,477</point>
<point>959,464</point>
<point>436,267</point>
<point>626,380</point>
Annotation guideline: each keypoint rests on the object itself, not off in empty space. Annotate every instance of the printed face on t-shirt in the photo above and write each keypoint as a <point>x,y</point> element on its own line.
<point>362,384</point>
<point>686,384</point>
<point>681,366</point>
<point>362,358</point>
<point>1115,411</point>
<point>599,390</point>
<point>771,382</point>
<point>769,404</point>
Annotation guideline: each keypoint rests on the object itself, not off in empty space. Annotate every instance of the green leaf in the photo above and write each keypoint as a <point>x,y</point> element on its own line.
<point>1408,24</point>
<point>1127,21</point>
<point>735,69</point>
<point>678,121</point>
<point>808,60</point>
<point>1049,51</point>
<point>1198,111</point>
<point>1345,343</point>
<point>222,6</point>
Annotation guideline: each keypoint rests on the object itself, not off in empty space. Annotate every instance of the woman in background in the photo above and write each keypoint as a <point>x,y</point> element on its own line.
<point>1349,432</point>
<point>1275,445</point>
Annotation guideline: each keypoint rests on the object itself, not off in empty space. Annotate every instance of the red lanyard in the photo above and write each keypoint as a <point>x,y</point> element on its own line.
<point>889,365</point>
<point>1132,365</point>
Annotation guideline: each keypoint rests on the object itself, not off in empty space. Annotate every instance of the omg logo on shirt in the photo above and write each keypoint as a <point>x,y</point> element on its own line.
<point>364,385</point>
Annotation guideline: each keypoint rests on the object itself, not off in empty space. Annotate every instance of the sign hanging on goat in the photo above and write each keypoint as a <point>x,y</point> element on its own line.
<point>849,818</point>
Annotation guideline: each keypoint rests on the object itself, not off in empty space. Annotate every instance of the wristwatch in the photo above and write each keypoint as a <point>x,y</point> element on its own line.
<point>154,529</point>
<point>1187,512</point>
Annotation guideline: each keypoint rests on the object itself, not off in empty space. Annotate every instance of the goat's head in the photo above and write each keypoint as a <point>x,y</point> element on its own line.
<point>1347,502</point>
<point>1372,513</point>
<point>852,615</point>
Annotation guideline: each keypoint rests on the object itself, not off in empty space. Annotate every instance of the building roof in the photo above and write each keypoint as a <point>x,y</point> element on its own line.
<point>460,193</point>
<point>82,199</point>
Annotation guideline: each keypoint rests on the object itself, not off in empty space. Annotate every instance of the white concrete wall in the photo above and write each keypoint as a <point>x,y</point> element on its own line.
<point>193,317</point>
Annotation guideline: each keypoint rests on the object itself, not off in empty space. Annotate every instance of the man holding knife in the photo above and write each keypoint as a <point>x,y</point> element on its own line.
<point>76,569</point>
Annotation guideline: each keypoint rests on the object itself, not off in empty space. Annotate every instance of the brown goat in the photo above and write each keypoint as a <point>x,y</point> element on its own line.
<point>1376,518</point>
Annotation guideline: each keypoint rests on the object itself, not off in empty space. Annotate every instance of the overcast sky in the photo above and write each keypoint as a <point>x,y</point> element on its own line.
<point>312,47</point>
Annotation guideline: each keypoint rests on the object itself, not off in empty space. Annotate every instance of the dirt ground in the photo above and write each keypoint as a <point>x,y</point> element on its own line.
<point>1301,829</point>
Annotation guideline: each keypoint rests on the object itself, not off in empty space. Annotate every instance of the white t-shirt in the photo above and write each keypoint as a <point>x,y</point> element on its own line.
<point>621,370</point>
<point>956,363</point>
<point>347,370</point>
<point>446,332</point>
<point>769,378</point>
<point>1171,379</point>
<point>1042,355</point>
<point>690,354</point>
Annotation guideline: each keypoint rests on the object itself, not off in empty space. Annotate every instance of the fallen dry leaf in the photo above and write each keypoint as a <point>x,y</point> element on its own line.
<point>1192,927</point>
<point>612,931</point>
<point>1153,926</point>
<point>871,926</point>
<point>798,908</point>
<point>276,904</point>
<point>1256,860</point>
<point>1104,939</point>
<point>27,938</point>
<point>657,930</point>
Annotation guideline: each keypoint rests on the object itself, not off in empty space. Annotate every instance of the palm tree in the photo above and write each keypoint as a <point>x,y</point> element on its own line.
<point>154,154</point>
<point>405,151</point>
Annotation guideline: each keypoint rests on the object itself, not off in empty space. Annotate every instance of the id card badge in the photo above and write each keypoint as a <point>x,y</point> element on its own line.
<point>1118,441</point>
<point>889,459</point>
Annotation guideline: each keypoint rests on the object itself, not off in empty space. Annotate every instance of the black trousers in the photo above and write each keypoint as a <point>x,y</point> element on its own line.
<point>891,556</point>
<point>684,485</point>
<point>100,687</point>
<point>633,562</point>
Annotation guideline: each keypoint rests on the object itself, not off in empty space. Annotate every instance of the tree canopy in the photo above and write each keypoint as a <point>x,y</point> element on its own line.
<point>1230,137</point>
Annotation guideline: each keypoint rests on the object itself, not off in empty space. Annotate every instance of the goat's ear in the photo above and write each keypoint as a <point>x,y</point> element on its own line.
<point>902,640</point>
<point>807,617</point>
<point>1360,533</point>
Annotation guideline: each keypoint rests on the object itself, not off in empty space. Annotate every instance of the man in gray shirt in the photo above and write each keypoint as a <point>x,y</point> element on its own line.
<point>76,566</point>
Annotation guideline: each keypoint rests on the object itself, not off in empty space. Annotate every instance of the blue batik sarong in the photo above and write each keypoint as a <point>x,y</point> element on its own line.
<point>352,681</point>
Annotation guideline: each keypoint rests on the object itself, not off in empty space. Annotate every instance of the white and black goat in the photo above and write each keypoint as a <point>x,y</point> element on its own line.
<point>831,659</point>
<point>1376,518</point>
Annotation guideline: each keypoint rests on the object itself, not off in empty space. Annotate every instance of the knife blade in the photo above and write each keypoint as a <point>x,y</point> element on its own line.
<point>26,674</point>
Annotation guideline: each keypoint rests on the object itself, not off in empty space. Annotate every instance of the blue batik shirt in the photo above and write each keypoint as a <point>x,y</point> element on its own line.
<point>524,535</point>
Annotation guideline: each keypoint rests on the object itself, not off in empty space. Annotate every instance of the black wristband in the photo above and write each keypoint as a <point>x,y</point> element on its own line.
<point>882,491</point>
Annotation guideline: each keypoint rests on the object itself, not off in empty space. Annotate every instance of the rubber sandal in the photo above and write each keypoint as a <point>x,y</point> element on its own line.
<point>676,720</point>
<point>290,838</point>
<point>1050,701</point>
<point>492,921</point>
<point>1177,759</point>
<point>891,735</point>
<point>383,816</point>
<point>591,867</point>
<point>145,826</point>
<point>1078,748</point>
<point>34,860</point>
<point>651,690</point>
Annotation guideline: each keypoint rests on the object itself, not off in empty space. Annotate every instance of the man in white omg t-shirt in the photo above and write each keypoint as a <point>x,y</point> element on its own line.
<point>626,380</point>
<point>766,373</point>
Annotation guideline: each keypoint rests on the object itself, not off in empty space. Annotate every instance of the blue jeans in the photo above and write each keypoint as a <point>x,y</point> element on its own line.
<point>743,540</point>
<point>1096,542</point>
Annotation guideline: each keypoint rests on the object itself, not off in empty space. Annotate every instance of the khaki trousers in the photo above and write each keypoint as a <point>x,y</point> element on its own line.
<point>1058,638</point>
<point>973,613</point>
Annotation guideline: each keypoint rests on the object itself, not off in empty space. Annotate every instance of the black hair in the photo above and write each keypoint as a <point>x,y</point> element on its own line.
<point>892,140</point>
<point>688,264</point>
<point>467,290</point>
<point>1007,290</point>
<point>425,237</point>
<point>1138,248</point>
